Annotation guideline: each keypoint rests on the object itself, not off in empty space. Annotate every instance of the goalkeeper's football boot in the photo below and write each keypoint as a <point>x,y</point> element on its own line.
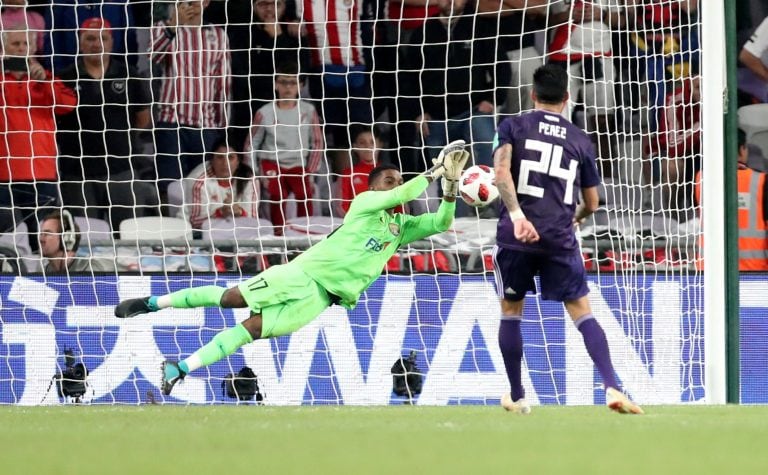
<point>617,401</point>
<point>518,407</point>
<point>132,307</point>
<point>172,374</point>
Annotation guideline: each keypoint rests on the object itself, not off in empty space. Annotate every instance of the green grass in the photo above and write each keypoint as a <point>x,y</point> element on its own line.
<point>392,440</point>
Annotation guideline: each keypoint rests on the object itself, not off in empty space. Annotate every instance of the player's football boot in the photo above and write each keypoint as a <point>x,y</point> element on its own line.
<point>617,401</point>
<point>132,307</point>
<point>172,374</point>
<point>518,407</point>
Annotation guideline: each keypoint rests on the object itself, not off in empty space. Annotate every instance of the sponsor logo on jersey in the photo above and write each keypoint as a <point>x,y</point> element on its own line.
<point>375,245</point>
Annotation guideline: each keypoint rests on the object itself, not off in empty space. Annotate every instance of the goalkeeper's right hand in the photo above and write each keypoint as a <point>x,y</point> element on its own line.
<point>452,158</point>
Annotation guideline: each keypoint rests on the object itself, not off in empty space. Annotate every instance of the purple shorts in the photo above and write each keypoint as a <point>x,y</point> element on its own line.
<point>562,276</point>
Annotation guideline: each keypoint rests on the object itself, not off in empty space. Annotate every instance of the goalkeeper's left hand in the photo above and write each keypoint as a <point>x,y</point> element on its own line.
<point>452,158</point>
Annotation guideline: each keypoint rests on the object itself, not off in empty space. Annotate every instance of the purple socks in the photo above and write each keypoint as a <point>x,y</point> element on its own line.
<point>511,345</point>
<point>597,347</point>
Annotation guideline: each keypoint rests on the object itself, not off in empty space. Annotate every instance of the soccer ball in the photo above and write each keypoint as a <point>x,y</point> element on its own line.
<point>477,186</point>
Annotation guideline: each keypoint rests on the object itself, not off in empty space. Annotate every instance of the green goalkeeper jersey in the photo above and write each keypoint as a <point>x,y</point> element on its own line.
<point>354,255</point>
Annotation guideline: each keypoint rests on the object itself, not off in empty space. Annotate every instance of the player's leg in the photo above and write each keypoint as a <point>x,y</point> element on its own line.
<point>222,345</point>
<point>563,279</point>
<point>514,278</point>
<point>594,339</point>
<point>597,347</point>
<point>282,300</point>
<point>205,296</point>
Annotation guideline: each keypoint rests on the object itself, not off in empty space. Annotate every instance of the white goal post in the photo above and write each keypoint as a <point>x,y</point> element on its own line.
<point>154,227</point>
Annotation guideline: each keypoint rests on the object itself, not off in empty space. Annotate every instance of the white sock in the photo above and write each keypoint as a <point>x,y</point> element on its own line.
<point>164,301</point>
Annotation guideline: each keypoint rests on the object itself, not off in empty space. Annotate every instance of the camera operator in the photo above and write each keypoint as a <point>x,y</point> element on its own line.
<point>59,241</point>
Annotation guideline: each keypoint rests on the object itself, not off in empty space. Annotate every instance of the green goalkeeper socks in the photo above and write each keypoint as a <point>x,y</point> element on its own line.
<point>223,344</point>
<point>206,296</point>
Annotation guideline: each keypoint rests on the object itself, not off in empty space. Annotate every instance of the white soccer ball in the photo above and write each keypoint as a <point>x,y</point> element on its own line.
<point>477,186</point>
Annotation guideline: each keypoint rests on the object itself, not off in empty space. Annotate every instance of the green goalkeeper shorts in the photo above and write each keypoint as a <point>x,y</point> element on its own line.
<point>286,297</point>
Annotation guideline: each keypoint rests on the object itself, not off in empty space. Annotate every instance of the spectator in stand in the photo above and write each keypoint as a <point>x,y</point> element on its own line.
<point>194,92</point>
<point>583,46</point>
<point>455,76</point>
<point>666,40</point>
<point>59,242</point>
<point>380,58</point>
<point>753,77</point>
<point>95,163</point>
<point>16,16</point>
<point>270,38</point>
<point>338,78</point>
<point>30,97</point>
<point>365,152</point>
<point>405,18</point>
<point>286,140</point>
<point>64,17</point>
<point>514,23</point>
<point>752,188</point>
<point>222,187</point>
<point>676,148</point>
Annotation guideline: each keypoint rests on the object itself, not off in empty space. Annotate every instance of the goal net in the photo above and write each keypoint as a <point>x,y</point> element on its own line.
<point>290,104</point>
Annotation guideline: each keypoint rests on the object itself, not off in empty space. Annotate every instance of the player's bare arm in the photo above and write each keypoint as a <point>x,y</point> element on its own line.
<point>502,160</point>
<point>590,202</point>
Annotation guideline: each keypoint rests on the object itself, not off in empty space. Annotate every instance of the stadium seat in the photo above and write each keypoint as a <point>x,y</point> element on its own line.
<point>175,198</point>
<point>753,118</point>
<point>314,225</point>
<point>93,229</point>
<point>155,227</point>
<point>760,140</point>
<point>474,229</point>
<point>236,229</point>
<point>756,160</point>
<point>18,240</point>
<point>15,247</point>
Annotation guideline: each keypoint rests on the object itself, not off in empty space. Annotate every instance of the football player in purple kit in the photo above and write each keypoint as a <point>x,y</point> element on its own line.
<point>542,161</point>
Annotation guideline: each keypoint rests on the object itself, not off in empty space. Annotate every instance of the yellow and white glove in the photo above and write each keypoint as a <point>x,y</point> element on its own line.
<point>452,159</point>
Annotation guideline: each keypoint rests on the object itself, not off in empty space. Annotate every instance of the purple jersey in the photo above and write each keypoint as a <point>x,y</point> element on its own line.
<point>552,160</point>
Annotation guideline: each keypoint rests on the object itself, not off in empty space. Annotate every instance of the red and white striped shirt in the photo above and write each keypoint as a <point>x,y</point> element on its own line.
<point>333,31</point>
<point>196,68</point>
<point>209,194</point>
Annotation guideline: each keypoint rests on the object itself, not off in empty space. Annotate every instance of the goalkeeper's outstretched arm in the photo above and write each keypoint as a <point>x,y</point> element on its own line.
<point>448,165</point>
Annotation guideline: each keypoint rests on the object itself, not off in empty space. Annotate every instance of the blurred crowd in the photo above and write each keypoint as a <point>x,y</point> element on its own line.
<point>275,109</point>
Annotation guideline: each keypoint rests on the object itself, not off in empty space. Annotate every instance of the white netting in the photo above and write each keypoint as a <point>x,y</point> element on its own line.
<point>376,83</point>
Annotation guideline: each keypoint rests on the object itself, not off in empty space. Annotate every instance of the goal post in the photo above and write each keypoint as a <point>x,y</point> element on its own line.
<point>673,328</point>
<point>732,288</point>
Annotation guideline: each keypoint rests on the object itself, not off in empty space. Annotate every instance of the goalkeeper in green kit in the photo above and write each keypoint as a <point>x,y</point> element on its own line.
<point>337,270</point>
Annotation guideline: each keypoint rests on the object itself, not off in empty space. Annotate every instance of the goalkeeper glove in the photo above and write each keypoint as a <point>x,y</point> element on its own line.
<point>453,157</point>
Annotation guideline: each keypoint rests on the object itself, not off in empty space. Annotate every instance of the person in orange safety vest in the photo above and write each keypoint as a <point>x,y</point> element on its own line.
<point>752,209</point>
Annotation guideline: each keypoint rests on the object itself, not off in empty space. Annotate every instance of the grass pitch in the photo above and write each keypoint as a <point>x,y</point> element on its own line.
<point>392,440</point>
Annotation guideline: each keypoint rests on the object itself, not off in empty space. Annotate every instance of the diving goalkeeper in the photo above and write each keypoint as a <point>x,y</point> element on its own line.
<point>337,270</point>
